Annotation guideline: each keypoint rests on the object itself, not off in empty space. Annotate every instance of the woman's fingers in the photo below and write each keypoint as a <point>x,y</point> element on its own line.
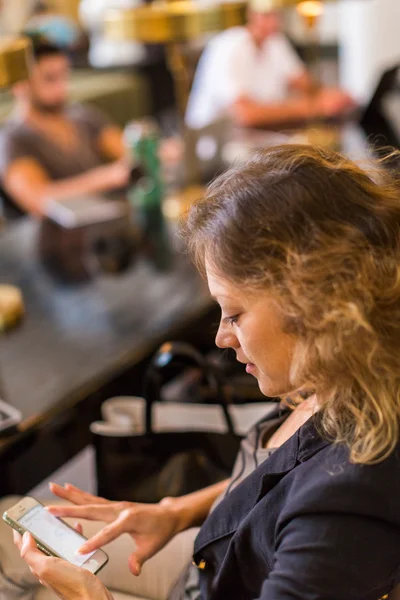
<point>30,553</point>
<point>91,512</point>
<point>32,556</point>
<point>78,527</point>
<point>105,536</point>
<point>25,544</point>
<point>17,540</point>
<point>90,498</point>
<point>135,566</point>
<point>75,495</point>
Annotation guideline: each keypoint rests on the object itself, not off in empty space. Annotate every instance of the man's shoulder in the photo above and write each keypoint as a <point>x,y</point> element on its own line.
<point>14,132</point>
<point>230,39</point>
<point>87,114</point>
<point>13,128</point>
<point>279,39</point>
<point>17,141</point>
<point>79,110</point>
<point>280,46</point>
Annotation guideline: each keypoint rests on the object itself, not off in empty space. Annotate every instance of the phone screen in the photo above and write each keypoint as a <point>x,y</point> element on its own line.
<point>59,538</point>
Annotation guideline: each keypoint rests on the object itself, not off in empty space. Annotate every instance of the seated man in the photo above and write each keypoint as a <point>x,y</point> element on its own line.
<point>253,74</point>
<point>50,148</point>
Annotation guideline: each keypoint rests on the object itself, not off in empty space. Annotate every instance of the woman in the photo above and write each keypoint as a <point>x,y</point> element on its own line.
<point>301,249</point>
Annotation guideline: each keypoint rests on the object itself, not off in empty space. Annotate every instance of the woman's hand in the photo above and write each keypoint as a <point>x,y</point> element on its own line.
<point>151,526</point>
<point>67,581</point>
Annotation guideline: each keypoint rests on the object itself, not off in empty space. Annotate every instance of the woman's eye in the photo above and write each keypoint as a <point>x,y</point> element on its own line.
<point>231,320</point>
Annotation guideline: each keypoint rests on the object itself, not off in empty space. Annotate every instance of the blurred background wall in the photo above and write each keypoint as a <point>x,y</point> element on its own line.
<point>367,34</point>
<point>14,14</point>
<point>369,42</point>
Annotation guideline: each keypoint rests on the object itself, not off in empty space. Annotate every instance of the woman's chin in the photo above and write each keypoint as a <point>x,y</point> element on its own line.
<point>268,388</point>
<point>265,388</point>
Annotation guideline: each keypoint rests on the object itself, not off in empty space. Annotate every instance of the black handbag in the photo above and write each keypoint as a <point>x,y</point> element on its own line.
<point>151,466</point>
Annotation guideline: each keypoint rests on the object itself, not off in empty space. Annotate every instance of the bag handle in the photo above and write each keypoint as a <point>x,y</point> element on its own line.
<point>167,353</point>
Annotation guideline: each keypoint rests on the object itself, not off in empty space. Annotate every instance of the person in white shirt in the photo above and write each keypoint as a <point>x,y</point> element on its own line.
<point>254,75</point>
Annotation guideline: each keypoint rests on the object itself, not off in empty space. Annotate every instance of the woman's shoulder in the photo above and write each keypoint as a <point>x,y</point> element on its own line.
<point>332,459</point>
<point>328,481</point>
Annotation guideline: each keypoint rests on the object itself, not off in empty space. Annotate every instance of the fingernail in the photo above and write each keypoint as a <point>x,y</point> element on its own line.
<point>25,537</point>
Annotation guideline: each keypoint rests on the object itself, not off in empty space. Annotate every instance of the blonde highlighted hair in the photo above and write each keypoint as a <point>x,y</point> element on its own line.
<point>323,236</point>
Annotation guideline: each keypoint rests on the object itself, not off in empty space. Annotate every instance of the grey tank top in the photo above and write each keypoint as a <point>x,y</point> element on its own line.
<point>251,454</point>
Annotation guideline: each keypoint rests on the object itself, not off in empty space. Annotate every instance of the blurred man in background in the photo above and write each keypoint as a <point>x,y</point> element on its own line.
<point>253,75</point>
<point>51,149</point>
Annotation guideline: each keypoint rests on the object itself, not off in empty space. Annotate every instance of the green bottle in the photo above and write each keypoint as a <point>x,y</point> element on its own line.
<point>146,196</point>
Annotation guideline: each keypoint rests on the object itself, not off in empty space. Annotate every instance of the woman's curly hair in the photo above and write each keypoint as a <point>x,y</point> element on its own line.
<point>321,235</point>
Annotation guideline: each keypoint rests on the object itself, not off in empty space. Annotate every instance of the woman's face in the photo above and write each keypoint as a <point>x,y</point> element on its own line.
<point>251,324</point>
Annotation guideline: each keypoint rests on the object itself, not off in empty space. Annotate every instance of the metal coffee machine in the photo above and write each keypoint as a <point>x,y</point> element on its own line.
<point>86,236</point>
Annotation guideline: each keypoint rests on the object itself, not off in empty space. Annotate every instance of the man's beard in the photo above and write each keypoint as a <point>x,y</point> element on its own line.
<point>49,109</point>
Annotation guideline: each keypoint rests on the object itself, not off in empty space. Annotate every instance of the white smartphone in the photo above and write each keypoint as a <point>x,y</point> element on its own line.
<point>53,536</point>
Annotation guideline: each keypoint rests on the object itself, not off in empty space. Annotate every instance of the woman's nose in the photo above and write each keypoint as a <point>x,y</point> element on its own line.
<point>225,338</point>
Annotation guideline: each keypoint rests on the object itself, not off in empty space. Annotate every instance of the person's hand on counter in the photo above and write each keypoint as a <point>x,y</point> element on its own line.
<point>332,102</point>
<point>67,581</point>
<point>171,150</point>
<point>33,189</point>
<point>117,174</point>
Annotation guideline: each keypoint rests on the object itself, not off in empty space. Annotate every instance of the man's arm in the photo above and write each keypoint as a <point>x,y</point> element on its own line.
<point>248,113</point>
<point>325,103</point>
<point>308,104</point>
<point>107,136</point>
<point>110,143</point>
<point>302,83</point>
<point>31,188</point>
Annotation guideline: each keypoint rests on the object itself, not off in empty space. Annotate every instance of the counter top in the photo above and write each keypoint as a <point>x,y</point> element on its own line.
<point>75,337</point>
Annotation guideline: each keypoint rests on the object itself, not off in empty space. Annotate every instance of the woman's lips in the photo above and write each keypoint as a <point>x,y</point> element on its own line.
<point>250,368</point>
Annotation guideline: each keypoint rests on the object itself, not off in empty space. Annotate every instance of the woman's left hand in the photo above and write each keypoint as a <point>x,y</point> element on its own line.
<point>67,581</point>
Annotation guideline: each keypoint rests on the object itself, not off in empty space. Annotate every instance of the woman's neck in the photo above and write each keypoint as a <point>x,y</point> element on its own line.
<point>300,415</point>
